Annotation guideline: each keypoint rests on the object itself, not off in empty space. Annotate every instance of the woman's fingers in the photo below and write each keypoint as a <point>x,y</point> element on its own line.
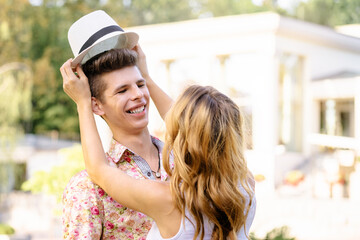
<point>67,69</point>
<point>63,71</point>
<point>80,72</point>
<point>141,61</point>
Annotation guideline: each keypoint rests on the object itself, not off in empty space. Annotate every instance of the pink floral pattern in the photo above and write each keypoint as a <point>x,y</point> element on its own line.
<point>89,213</point>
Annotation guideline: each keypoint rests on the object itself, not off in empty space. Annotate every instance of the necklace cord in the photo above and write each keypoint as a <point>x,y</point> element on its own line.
<point>157,173</point>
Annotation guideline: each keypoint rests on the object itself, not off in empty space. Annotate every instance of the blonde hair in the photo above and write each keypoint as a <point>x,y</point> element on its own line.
<point>205,136</point>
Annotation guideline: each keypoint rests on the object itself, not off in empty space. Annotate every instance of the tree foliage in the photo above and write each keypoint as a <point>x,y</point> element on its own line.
<point>141,12</point>
<point>329,12</point>
<point>232,7</point>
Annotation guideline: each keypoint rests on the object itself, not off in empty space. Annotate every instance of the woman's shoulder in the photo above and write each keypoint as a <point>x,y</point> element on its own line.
<point>158,197</point>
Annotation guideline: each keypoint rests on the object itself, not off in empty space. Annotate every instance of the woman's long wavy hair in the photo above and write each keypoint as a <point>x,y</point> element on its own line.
<point>205,136</point>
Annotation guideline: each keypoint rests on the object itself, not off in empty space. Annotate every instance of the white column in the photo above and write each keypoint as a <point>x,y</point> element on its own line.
<point>357,114</point>
<point>311,111</point>
<point>221,81</point>
<point>265,116</point>
<point>104,132</point>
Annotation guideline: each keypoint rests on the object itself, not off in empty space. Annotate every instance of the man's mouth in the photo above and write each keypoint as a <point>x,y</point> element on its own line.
<point>136,110</point>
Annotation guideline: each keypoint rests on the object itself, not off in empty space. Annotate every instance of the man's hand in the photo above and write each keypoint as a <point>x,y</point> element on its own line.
<point>75,84</point>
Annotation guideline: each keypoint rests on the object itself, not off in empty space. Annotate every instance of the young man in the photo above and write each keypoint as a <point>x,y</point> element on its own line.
<point>120,95</point>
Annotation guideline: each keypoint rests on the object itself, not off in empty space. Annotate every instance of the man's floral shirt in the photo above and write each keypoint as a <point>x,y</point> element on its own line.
<point>89,213</point>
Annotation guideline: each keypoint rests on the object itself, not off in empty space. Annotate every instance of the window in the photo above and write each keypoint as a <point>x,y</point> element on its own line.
<point>337,117</point>
<point>12,176</point>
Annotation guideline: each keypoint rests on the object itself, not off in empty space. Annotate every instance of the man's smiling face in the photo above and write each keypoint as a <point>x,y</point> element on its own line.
<point>125,101</point>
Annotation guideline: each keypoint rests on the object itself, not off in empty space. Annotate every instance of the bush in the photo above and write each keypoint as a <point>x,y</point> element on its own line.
<point>6,229</point>
<point>281,233</point>
<point>53,182</point>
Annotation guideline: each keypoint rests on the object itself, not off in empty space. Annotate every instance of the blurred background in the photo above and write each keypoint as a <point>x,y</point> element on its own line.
<point>292,66</point>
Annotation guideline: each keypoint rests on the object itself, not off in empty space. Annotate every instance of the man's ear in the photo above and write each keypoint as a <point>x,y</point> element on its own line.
<point>97,106</point>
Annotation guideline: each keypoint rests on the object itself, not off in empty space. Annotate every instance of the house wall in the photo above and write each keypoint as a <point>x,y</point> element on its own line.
<point>247,48</point>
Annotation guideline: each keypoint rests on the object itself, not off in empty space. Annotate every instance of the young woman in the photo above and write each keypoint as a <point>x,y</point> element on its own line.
<point>210,194</point>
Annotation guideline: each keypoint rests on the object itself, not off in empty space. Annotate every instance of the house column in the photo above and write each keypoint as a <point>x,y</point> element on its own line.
<point>221,83</point>
<point>104,132</point>
<point>265,119</point>
<point>357,113</point>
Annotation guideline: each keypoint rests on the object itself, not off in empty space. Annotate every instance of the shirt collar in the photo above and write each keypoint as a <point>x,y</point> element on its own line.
<point>116,149</point>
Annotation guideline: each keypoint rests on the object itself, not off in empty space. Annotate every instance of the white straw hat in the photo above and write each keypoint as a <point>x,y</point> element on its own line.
<point>95,33</point>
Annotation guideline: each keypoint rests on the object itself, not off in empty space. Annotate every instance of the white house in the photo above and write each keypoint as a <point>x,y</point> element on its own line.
<point>274,67</point>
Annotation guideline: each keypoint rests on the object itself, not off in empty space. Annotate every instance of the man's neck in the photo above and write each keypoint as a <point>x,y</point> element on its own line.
<point>139,142</point>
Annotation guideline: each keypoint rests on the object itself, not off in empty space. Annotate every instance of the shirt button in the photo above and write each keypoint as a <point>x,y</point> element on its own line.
<point>149,174</point>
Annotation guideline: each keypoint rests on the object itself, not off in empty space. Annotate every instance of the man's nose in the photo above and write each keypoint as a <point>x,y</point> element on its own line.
<point>137,93</point>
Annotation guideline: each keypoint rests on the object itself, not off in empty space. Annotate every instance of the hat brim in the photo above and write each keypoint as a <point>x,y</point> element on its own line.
<point>106,43</point>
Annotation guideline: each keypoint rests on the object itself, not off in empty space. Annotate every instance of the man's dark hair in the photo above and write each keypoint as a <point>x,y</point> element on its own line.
<point>106,62</point>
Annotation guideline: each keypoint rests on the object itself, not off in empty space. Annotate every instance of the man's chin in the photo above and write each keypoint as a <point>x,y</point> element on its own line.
<point>141,125</point>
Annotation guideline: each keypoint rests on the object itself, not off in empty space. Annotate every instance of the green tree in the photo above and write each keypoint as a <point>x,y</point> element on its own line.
<point>28,35</point>
<point>229,7</point>
<point>52,110</point>
<point>142,12</point>
<point>15,107</point>
<point>14,30</point>
<point>329,12</point>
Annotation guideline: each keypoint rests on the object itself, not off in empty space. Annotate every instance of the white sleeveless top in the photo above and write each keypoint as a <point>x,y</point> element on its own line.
<point>187,230</point>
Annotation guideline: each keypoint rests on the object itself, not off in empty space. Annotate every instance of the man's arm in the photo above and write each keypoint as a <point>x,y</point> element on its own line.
<point>82,209</point>
<point>161,100</point>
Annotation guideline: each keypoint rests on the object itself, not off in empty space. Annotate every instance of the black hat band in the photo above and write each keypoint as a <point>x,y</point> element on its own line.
<point>99,34</point>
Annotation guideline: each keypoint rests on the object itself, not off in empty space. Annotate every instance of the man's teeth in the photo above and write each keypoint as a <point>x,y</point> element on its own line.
<point>137,110</point>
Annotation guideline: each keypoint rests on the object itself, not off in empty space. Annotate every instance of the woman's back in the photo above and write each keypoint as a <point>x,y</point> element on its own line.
<point>187,229</point>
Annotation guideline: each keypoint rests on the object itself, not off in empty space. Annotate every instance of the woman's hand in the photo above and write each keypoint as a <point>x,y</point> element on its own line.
<point>162,101</point>
<point>142,62</point>
<point>75,84</point>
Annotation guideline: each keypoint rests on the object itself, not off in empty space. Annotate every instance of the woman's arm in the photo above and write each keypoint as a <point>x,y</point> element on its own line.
<point>161,100</point>
<point>146,196</point>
